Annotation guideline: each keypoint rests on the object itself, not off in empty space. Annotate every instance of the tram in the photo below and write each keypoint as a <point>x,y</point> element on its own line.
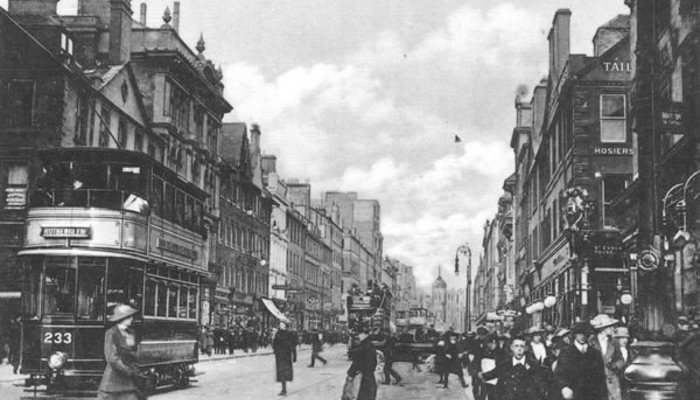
<point>106,227</point>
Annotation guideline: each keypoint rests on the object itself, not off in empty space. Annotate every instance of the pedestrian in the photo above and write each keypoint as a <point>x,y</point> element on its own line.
<point>14,342</point>
<point>120,380</point>
<point>536,347</point>
<point>284,347</point>
<point>388,350</point>
<point>550,365</point>
<point>364,361</point>
<point>490,358</point>
<point>564,334</point>
<point>441,360</point>
<point>603,341</point>
<point>454,362</point>
<point>518,376</point>
<point>622,357</point>
<point>316,349</point>
<point>580,373</point>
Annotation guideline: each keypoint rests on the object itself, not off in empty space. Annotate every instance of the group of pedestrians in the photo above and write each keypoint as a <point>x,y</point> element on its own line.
<point>220,341</point>
<point>10,344</point>
<point>585,362</point>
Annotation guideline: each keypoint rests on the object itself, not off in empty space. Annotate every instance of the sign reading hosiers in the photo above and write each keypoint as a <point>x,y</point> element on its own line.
<point>63,232</point>
<point>176,248</point>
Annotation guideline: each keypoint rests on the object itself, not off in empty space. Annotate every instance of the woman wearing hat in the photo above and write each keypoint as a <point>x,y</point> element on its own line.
<point>120,379</point>
<point>604,327</point>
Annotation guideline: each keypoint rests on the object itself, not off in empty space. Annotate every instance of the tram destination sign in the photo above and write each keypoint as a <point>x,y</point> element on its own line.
<point>63,232</point>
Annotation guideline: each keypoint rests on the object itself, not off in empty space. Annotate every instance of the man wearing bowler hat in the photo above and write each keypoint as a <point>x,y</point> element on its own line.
<point>120,379</point>
<point>580,373</point>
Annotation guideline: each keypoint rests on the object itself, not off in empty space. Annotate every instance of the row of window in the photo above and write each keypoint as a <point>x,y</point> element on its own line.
<point>244,199</point>
<point>246,240</point>
<point>317,250</point>
<point>245,280</point>
<point>170,300</point>
<point>178,105</point>
<point>176,206</point>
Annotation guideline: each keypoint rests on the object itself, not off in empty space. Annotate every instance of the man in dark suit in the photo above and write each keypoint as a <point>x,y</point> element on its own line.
<point>519,378</point>
<point>491,356</point>
<point>364,361</point>
<point>580,370</point>
<point>388,349</point>
<point>316,349</point>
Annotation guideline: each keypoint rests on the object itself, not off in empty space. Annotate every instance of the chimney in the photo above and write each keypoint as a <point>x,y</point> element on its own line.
<point>142,16</point>
<point>40,8</point>
<point>559,44</point>
<point>176,16</point>
<point>269,164</point>
<point>120,31</point>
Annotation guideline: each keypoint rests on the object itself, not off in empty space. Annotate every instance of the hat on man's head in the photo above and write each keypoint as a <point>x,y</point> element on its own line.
<point>549,328</point>
<point>558,344</point>
<point>602,321</point>
<point>583,327</point>
<point>621,331</point>
<point>534,330</point>
<point>482,330</point>
<point>121,312</point>
<point>491,337</point>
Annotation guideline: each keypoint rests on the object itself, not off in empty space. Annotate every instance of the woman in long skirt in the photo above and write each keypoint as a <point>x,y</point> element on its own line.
<point>284,346</point>
<point>119,381</point>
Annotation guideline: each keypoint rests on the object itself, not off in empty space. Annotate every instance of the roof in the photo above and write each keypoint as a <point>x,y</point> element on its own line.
<point>105,75</point>
<point>439,282</point>
<point>234,134</point>
<point>621,21</point>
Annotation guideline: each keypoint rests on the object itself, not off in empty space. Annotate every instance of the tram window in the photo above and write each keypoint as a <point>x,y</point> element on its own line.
<point>124,285</point>
<point>30,290</point>
<point>168,202</point>
<point>161,299</point>
<point>189,212</point>
<point>91,292</point>
<point>94,175</point>
<point>192,314</point>
<point>182,311</point>
<point>157,196</point>
<point>150,308</point>
<point>59,290</point>
<point>179,207</point>
<point>127,178</point>
<point>172,301</point>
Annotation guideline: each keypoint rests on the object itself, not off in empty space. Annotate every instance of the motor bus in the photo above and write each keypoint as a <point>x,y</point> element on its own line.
<point>107,227</point>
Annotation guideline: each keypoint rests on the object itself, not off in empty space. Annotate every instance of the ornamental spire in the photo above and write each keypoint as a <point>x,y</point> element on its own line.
<point>166,17</point>
<point>200,44</point>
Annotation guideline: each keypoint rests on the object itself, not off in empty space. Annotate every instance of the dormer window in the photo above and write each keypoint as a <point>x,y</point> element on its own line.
<point>66,44</point>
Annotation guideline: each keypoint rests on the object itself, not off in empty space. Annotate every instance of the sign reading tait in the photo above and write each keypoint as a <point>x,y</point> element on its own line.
<point>65,232</point>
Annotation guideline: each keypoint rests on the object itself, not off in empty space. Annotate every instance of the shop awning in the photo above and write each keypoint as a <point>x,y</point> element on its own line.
<point>274,310</point>
<point>10,295</point>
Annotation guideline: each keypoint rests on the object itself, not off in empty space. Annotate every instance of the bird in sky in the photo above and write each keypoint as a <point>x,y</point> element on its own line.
<point>458,139</point>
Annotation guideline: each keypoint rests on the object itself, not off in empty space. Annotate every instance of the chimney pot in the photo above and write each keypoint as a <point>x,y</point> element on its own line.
<point>142,18</point>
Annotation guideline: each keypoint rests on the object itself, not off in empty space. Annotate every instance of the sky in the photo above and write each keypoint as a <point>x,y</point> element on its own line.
<point>367,96</point>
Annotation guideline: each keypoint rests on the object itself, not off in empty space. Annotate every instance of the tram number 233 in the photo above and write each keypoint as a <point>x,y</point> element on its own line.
<point>58,337</point>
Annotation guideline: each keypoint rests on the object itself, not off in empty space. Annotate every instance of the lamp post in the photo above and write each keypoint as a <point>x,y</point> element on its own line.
<point>463,257</point>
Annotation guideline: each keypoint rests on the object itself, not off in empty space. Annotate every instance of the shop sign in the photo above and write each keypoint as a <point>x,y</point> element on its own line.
<point>295,291</point>
<point>281,287</point>
<point>65,232</point>
<point>618,66</point>
<point>15,198</point>
<point>176,248</point>
<point>672,118</point>
<point>603,245</point>
<point>613,151</point>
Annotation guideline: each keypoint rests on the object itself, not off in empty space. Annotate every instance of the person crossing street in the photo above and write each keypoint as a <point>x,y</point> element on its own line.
<point>316,349</point>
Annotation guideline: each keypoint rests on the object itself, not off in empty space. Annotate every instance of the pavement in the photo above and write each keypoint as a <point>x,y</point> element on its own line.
<point>251,376</point>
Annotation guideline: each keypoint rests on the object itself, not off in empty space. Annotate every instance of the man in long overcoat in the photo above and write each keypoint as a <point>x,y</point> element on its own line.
<point>519,377</point>
<point>284,346</point>
<point>580,371</point>
<point>364,361</point>
<point>604,343</point>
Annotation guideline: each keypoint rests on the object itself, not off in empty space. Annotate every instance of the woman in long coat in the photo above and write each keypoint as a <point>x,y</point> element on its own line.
<point>364,361</point>
<point>120,379</point>
<point>284,346</point>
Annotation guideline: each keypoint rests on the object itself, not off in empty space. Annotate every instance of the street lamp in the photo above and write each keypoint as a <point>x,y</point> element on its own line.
<point>463,256</point>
